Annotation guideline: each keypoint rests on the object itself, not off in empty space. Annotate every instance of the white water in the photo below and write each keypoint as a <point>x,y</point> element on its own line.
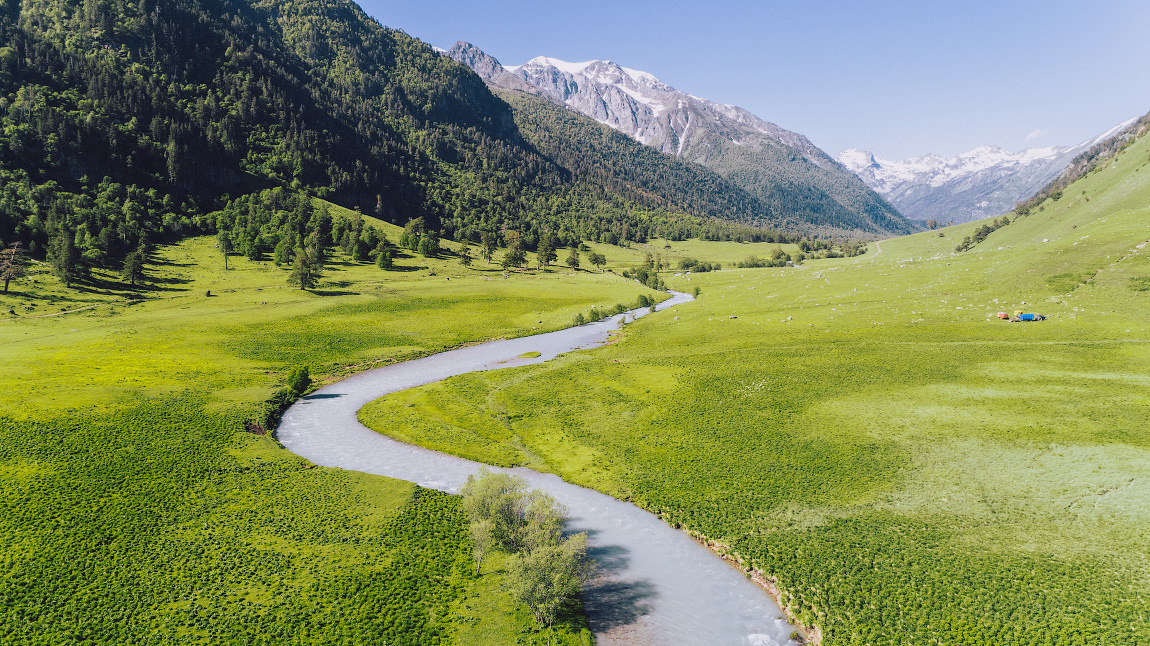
<point>658,585</point>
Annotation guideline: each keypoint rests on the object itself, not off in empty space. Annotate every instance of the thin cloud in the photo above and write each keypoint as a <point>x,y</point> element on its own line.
<point>1035,135</point>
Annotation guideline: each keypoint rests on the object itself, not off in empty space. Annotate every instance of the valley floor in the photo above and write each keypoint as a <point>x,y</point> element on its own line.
<point>866,431</point>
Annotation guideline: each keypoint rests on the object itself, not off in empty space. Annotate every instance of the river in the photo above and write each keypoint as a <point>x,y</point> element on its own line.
<point>658,586</point>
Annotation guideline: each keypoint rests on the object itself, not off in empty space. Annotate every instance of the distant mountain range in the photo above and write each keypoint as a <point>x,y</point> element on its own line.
<point>796,179</point>
<point>984,182</point>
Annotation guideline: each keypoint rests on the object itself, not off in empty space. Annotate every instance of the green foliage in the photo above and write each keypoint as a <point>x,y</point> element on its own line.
<point>307,268</point>
<point>546,571</point>
<point>119,122</point>
<point>298,380</point>
<point>980,234</point>
<point>221,578</point>
<point>383,260</point>
<point>702,266</point>
<point>548,579</point>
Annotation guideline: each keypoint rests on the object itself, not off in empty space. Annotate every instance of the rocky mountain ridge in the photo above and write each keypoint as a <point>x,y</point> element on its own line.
<point>780,167</point>
<point>984,182</point>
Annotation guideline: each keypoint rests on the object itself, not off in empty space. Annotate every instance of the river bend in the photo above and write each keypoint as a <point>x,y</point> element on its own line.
<point>659,587</point>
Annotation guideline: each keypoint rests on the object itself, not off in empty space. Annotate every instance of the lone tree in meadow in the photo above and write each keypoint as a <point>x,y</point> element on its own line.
<point>487,246</point>
<point>465,257</point>
<point>225,243</point>
<point>428,244</point>
<point>515,256</point>
<point>11,264</point>
<point>598,260</point>
<point>572,260</point>
<point>545,252</point>
<point>305,271</point>
<point>383,259</point>
<point>133,267</point>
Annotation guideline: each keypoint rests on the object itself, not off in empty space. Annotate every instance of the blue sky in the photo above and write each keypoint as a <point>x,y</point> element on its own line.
<point>898,78</point>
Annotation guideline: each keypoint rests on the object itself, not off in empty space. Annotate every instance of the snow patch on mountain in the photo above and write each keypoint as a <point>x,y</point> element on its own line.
<point>759,156</point>
<point>983,182</point>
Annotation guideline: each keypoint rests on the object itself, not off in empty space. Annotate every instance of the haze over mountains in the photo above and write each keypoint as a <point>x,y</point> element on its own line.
<point>981,183</point>
<point>780,167</point>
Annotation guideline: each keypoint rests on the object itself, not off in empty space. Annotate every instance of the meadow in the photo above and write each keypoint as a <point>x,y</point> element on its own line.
<point>136,508</point>
<point>865,431</point>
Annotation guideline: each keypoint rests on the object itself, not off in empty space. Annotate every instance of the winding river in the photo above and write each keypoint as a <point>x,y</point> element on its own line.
<point>658,585</point>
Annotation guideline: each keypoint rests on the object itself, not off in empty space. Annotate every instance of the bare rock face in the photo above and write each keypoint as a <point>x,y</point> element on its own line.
<point>768,161</point>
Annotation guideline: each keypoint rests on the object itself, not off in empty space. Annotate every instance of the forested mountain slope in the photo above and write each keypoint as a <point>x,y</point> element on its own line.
<point>123,121</point>
<point>790,176</point>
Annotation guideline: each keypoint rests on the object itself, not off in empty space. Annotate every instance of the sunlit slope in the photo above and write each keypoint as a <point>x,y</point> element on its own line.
<point>1092,229</point>
<point>910,468</point>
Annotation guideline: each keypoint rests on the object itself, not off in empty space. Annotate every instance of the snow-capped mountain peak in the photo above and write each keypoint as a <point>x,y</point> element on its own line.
<point>755,154</point>
<point>979,183</point>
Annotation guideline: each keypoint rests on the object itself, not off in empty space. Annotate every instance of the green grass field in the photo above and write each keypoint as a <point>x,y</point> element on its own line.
<point>135,509</point>
<point>908,467</point>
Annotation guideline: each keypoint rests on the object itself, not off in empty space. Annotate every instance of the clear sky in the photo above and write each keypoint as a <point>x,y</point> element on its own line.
<point>898,78</point>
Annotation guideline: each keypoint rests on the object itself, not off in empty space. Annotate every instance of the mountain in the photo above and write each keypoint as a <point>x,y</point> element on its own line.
<point>984,182</point>
<point>124,122</point>
<point>792,176</point>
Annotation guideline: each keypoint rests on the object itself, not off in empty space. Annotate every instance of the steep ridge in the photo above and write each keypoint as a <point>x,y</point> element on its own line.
<point>121,122</point>
<point>782,168</point>
<point>983,182</point>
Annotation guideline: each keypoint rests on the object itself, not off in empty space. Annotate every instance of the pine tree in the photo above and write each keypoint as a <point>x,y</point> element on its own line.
<point>306,270</point>
<point>64,258</point>
<point>133,267</point>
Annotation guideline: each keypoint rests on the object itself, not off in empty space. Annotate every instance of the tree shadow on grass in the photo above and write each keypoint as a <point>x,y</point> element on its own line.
<point>168,263</point>
<point>165,284</point>
<point>333,292</point>
<point>406,268</point>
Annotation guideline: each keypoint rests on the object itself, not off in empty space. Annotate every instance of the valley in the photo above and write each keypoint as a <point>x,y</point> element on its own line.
<point>277,279</point>
<point>929,470</point>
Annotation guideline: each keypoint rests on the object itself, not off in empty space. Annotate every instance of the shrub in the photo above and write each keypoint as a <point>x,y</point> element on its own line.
<point>298,380</point>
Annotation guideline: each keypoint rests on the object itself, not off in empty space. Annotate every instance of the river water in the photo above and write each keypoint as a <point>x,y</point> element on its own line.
<point>658,586</point>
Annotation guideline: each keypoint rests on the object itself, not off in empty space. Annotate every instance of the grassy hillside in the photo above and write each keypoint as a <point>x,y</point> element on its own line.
<point>135,508</point>
<point>908,467</point>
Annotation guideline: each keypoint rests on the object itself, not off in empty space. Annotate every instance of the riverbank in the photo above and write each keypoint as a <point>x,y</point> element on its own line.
<point>654,574</point>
